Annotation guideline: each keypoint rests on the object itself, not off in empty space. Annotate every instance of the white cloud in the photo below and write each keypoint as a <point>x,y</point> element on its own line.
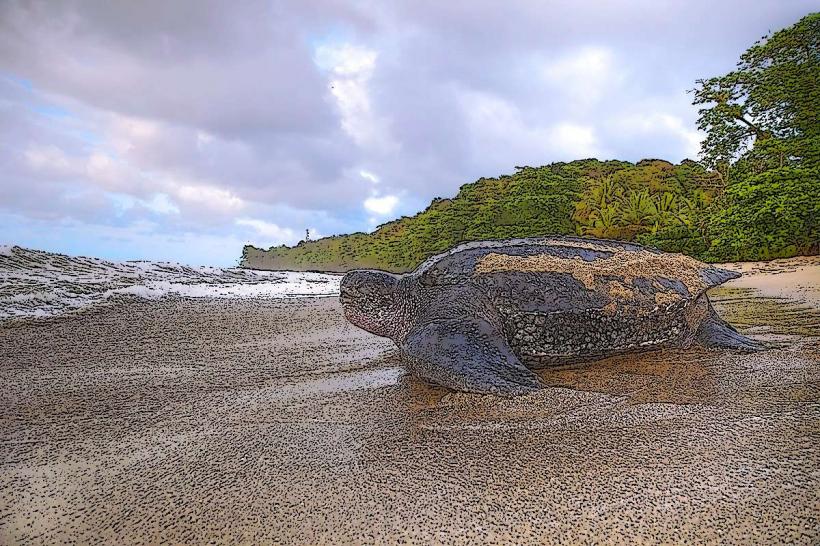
<point>351,69</point>
<point>211,197</point>
<point>162,204</point>
<point>381,205</point>
<point>584,76</point>
<point>574,141</point>
<point>347,60</point>
<point>272,233</point>
<point>109,172</point>
<point>96,167</point>
<point>159,203</point>
<point>642,125</point>
<point>49,160</point>
<point>500,133</point>
<point>128,132</point>
<point>367,175</point>
<point>203,138</point>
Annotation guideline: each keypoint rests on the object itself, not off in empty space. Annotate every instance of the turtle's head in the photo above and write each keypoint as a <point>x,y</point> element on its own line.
<point>371,301</point>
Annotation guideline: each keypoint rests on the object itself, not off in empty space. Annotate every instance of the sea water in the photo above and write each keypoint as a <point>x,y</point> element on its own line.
<point>35,283</point>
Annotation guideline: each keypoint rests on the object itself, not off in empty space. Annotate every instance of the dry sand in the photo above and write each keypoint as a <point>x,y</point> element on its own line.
<point>195,421</point>
<point>793,278</point>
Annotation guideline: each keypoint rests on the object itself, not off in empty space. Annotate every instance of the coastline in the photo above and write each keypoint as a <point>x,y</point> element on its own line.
<point>258,420</point>
<point>793,278</point>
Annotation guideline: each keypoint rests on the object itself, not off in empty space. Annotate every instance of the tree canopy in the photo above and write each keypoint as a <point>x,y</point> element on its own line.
<point>766,112</point>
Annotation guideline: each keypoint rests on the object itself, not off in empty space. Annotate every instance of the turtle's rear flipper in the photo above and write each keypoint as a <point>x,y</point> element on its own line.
<point>716,332</point>
<point>467,355</point>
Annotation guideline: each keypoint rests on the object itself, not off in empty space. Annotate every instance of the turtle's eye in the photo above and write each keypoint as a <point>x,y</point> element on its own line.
<point>432,277</point>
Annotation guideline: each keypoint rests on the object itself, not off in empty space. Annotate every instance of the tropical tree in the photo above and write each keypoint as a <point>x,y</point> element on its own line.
<point>769,104</point>
<point>605,190</point>
<point>665,208</point>
<point>603,223</point>
<point>637,212</point>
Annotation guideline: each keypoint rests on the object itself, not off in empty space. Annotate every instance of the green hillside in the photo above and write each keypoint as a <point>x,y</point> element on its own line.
<point>681,208</point>
<point>754,196</point>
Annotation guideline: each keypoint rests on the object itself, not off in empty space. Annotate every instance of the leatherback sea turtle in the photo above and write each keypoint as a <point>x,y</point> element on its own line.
<point>479,317</point>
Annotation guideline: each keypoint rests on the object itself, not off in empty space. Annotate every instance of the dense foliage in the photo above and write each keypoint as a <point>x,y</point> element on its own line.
<point>754,195</point>
<point>773,214</point>
<point>765,113</point>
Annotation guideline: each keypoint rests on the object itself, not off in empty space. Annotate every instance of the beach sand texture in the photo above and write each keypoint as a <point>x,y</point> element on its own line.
<point>260,421</point>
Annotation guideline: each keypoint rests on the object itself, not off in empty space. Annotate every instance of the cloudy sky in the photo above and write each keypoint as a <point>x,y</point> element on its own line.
<point>183,130</point>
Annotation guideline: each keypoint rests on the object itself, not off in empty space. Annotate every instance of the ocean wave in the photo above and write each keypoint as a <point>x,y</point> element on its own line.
<point>34,283</point>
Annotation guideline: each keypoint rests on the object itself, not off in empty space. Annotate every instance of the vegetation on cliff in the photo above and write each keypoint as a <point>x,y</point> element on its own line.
<point>754,195</point>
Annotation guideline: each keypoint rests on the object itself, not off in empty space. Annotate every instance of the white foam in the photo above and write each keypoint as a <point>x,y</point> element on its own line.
<point>36,283</point>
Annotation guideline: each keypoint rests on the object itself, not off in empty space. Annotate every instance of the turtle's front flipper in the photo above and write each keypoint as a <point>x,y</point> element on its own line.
<point>716,332</point>
<point>467,355</point>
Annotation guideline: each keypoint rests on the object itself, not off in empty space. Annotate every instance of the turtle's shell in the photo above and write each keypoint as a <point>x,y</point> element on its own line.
<point>560,297</point>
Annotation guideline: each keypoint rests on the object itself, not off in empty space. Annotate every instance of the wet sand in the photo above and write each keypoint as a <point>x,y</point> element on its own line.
<point>225,421</point>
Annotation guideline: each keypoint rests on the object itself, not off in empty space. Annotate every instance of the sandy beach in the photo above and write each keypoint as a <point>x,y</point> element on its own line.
<point>249,421</point>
